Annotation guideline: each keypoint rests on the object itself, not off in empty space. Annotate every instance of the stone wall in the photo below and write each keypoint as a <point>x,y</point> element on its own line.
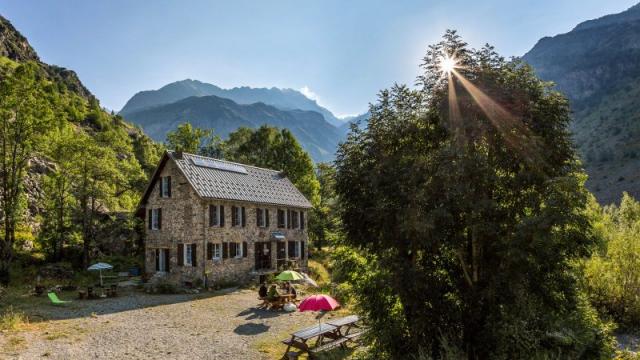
<point>185,220</point>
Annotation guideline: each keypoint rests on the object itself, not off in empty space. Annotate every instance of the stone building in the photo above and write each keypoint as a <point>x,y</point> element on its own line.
<point>220,221</point>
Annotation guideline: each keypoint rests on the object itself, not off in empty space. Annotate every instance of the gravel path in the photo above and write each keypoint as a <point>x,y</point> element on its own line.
<point>141,326</point>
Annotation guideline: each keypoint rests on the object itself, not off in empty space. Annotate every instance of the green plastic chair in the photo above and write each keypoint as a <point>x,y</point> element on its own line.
<point>55,300</point>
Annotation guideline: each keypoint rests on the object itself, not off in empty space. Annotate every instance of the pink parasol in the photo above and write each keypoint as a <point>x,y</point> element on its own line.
<point>319,302</point>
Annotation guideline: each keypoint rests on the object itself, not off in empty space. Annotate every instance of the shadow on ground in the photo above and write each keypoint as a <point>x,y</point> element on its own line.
<point>257,313</point>
<point>251,329</point>
<point>41,309</point>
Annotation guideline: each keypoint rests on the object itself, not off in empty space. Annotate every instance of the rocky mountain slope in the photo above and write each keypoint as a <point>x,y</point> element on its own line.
<point>317,136</point>
<point>283,99</point>
<point>597,65</point>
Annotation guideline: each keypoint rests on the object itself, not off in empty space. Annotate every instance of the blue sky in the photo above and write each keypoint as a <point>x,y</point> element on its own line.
<point>341,52</point>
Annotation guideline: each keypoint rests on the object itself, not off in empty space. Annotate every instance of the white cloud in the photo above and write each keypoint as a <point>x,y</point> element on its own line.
<point>309,93</point>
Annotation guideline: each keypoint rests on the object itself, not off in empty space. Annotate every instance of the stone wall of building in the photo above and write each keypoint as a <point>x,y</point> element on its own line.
<point>185,220</point>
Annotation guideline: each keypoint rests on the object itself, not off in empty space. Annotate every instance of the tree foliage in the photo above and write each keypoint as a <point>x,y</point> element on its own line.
<point>612,275</point>
<point>24,118</point>
<point>470,221</point>
<point>277,149</point>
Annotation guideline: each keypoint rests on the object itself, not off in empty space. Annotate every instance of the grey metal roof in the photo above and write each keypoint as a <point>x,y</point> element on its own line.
<point>258,185</point>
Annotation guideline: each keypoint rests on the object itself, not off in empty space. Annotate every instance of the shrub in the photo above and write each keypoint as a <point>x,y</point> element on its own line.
<point>612,277</point>
<point>11,319</point>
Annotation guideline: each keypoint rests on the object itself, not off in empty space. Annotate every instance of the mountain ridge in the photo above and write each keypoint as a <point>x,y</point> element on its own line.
<point>223,115</point>
<point>284,99</point>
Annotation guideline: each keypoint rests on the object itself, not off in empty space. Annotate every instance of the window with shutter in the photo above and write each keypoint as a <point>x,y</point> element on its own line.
<point>209,250</point>
<point>288,219</point>
<point>168,186</point>
<point>180,254</point>
<point>243,219</point>
<point>225,250</point>
<point>301,219</point>
<point>150,219</point>
<point>188,253</point>
<point>244,249</point>
<point>234,216</point>
<point>194,257</point>
<point>302,251</point>
<point>232,250</point>
<point>282,223</point>
<point>221,215</point>
<point>167,258</point>
<point>159,219</point>
<point>157,259</point>
<point>259,219</point>
<point>291,249</point>
<point>266,217</point>
<point>213,215</point>
<point>217,251</point>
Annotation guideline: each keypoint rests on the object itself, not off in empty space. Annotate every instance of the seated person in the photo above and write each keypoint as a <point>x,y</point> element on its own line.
<point>273,293</point>
<point>293,291</point>
<point>262,292</point>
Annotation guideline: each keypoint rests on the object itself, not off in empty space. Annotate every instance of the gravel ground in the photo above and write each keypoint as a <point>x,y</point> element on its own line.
<point>224,325</point>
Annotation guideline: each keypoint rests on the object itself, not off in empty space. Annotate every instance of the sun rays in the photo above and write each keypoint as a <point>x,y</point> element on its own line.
<point>514,132</point>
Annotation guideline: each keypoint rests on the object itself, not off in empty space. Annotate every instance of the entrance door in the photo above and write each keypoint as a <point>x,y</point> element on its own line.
<point>162,257</point>
<point>263,255</point>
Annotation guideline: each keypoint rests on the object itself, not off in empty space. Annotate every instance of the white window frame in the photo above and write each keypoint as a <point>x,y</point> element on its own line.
<point>216,253</point>
<point>239,249</point>
<point>263,217</point>
<point>155,224</point>
<point>164,189</point>
<point>188,255</point>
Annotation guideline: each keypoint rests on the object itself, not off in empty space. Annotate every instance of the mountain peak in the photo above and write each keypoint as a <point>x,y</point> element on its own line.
<point>13,45</point>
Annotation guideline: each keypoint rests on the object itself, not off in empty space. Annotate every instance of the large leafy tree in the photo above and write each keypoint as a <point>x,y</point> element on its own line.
<point>25,116</point>
<point>275,149</point>
<point>470,211</point>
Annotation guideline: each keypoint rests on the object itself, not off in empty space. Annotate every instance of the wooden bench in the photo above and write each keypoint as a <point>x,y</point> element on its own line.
<point>330,345</point>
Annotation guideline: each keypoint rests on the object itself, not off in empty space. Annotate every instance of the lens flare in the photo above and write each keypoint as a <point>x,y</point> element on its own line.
<point>448,64</point>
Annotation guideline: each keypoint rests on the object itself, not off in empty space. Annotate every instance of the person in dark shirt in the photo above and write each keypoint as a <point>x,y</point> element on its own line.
<point>262,292</point>
<point>273,293</point>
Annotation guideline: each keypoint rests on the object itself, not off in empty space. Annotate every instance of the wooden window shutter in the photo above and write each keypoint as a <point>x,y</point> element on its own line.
<point>244,249</point>
<point>266,217</point>
<point>291,249</point>
<point>288,219</point>
<point>180,254</point>
<point>221,215</point>
<point>258,217</point>
<point>301,219</point>
<point>169,186</point>
<point>167,258</point>
<point>234,213</point>
<point>157,259</point>
<point>209,251</point>
<point>213,216</point>
<point>225,250</point>
<point>244,218</point>
<point>159,218</point>
<point>150,219</point>
<point>193,255</point>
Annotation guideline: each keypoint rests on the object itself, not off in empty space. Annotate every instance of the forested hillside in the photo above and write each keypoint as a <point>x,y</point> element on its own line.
<point>68,166</point>
<point>597,65</point>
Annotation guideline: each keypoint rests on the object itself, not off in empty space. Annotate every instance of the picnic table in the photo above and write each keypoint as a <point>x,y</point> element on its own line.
<point>330,334</point>
<point>300,338</point>
<point>278,302</point>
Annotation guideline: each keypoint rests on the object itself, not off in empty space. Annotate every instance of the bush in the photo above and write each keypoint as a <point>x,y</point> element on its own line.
<point>11,319</point>
<point>612,277</point>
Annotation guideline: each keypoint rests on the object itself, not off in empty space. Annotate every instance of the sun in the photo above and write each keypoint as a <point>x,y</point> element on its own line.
<point>447,64</point>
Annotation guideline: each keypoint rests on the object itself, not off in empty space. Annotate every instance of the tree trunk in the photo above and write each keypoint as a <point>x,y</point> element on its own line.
<point>6,251</point>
